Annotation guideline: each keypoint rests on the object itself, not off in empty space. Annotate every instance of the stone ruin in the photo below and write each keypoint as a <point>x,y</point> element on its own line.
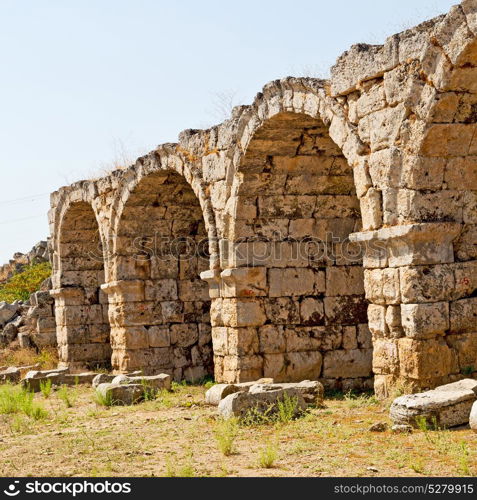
<point>327,231</point>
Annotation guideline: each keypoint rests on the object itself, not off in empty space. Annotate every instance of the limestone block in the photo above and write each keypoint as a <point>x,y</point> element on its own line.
<point>152,382</point>
<point>242,312</point>
<point>425,321</point>
<point>220,391</point>
<point>473,417</point>
<point>463,315</point>
<point>312,312</point>
<point>292,282</point>
<point>448,140</point>
<point>172,311</point>
<point>121,394</point>
<point>423,173</point>
<point>365,340</point>
<point>385,168</point>
<point>102,378</point>
<point>11,374</point>
<point>370,101</point>
<point>184,335</point>
<point>449,405</point>
<point>303,339</point>
<point>350,340</point>
<point>271,339</point>
<point>159,290</point>
<point>242,341</point>
<point>465,346</point>
<point>371,209</point>
<point>131,337</point>
<point>311,390</point>
<point>282,311</point>
<point>426,283</point>
<point>303,365</point>
<point>244,282</point>
<point>385,357</point>
<point>344,280</point>
<point>190,290</point>
<point>291,206</point>
<point>426,359</point>
<point>345,310</point>
<point>348,364</point>
<point>159,336</point>
<point>239,403</point>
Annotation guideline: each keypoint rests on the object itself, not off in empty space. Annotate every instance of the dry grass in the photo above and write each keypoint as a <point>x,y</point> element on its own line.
<point>175,435</point>
<point>47,358</point>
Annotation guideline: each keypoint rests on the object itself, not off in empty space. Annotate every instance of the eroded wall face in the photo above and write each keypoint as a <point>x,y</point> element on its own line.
<point>292,303</point>
<point>159,307</point>
<point>82,324</point>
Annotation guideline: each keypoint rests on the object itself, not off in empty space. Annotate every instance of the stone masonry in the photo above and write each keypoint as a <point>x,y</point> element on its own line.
<point>327,231</point>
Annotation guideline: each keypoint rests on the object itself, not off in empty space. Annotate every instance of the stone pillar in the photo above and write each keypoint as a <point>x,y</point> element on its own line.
<point>409,282</point>
<point>82,328</point>
<point>236,315</point>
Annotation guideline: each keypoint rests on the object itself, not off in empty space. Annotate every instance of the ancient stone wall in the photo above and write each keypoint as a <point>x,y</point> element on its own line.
<point>320,200</point>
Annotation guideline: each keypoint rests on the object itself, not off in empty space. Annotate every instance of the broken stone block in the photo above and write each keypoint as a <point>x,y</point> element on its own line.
<point>473,417</point>
<point>238,404</point>
<point>72,378</point>
<point>154,382</point>
<point>7,312</point>
<point>11,374</point>
<point>220,391</point>
<point>24,339</point>
<point>33,379</point>
<point>312,391</point>
<point>10,331</point>
<point>448,405</point>
<point>102,378</point>
<point>121,394</point>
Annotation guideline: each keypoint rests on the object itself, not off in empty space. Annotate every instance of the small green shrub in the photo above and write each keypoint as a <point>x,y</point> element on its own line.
<point>67,396</point>
<point>27,281</point>
<point>283,412</point>
<point>45,387</point>
<point>225,433</point>
<point>268,455</point>
<point>103,400</point>
<point>16,400</point>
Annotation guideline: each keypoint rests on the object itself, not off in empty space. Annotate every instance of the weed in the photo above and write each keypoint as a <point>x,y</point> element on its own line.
<point>463,458</point>
<point>354,400</point>
<point>284,411</point>
<point>45,387</point>
<point>268,455</point>
<point>103,399</point>
<point>225,433</point>
<point>67,396</point>
<point>15,400</point>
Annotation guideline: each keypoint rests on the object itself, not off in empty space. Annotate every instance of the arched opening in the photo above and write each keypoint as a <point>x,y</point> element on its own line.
<point>292,208</point>
<point>159,306</point>
<point>81,307</point>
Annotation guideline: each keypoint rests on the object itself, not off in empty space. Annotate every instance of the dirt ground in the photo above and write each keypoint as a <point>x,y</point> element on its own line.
<point>175,435</point>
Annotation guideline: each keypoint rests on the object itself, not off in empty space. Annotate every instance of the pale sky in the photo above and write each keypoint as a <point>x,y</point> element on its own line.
<point>85,80</point>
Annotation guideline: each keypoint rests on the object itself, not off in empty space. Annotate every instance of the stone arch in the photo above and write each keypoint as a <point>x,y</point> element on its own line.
<point>159,308</point>
<point>78,273</point>
<point>292,300</point>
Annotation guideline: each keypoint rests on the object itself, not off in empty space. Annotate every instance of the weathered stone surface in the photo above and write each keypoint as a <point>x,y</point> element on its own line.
<point>151,382</point>
<point>219,391</point>
<point>11,374</point>
<point>311,391</point>
<point>449,405</point>
<point>102,378</point>
<point>33,379</point>
<point>121,394</point>
<point>473,417</point>
<point>239,403</point>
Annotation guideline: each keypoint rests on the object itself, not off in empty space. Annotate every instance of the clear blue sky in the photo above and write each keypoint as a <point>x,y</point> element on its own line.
<point>84,80</point>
